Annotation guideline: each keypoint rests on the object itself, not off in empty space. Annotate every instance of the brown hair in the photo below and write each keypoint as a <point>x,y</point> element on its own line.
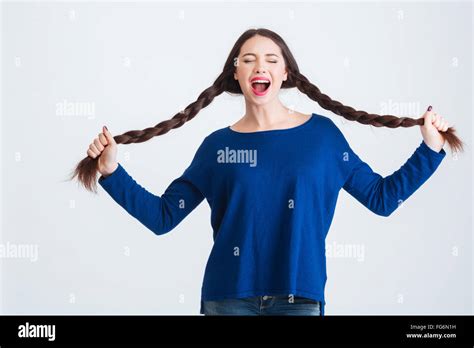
<point>86,170</point>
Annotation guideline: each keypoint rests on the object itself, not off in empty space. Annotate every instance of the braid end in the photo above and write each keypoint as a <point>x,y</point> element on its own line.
<point>86,173</point>
<point>453,140</point>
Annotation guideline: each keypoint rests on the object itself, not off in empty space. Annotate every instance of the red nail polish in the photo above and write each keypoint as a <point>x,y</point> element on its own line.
<point>429,108</point>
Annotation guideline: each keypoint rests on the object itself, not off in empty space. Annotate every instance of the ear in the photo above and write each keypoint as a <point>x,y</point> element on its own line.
<point>235,76</point>
<point>285,76</point>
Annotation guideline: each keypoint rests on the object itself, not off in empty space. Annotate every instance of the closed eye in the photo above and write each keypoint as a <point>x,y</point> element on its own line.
<point>248,61</point>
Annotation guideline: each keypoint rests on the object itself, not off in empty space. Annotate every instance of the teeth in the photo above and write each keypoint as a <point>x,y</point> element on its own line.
<point>260,81</point>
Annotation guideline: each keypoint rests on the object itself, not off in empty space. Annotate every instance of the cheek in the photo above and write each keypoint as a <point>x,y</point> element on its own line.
<point>242,74</point>
<point>280,74</point>
<point>276,77</point>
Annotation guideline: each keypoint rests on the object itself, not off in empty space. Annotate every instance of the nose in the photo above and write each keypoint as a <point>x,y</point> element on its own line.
<point>260,68</point>
<point>260,72</point>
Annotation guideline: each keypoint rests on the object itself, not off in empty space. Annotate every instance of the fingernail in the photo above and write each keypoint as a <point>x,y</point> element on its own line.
<point>429,108</point>
<point>106,127</point>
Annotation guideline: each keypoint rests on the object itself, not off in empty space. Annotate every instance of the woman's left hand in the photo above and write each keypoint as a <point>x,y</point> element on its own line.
<point>430,130</point>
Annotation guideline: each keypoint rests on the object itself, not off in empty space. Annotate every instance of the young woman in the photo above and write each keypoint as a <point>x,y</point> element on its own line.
<point>271,180</point>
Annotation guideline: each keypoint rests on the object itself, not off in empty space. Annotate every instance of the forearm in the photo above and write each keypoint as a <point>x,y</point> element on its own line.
<point>383,195</point>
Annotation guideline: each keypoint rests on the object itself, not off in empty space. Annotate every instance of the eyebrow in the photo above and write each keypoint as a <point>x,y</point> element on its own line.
<point>253,54</point>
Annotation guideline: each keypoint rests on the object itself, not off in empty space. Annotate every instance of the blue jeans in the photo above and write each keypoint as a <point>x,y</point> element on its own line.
<point>263,305</point>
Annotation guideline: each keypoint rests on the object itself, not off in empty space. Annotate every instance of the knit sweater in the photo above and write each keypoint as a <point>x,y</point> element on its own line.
<point>272,196</point>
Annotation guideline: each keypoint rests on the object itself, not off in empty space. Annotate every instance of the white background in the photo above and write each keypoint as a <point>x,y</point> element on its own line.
<point>138,63</point>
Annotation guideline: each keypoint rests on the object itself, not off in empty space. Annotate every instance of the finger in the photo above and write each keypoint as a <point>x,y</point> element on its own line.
<point>103,139</point>
<point>94,149</point>
<point>441,123</point>
<point>98,145</point>
<point>445,126</point>
<point>90,153</point>
<point>108,135</point>
<point>437,121</point>
<point>430,117</point>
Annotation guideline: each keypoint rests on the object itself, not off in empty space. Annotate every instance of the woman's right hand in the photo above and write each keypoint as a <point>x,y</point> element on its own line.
<point>105,147</point>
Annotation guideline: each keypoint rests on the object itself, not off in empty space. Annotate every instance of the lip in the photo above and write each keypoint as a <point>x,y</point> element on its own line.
<point>260,94</point>
<point>260,78</point>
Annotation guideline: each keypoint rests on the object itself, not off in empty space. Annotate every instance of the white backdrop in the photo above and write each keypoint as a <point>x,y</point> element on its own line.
<point>68,68</point>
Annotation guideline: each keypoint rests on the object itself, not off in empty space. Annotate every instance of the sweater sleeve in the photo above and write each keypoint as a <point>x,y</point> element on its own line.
<point>162,213</point>
<point>383,195</point>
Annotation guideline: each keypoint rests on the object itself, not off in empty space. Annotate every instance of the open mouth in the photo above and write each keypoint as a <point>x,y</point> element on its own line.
<point>260,86</point>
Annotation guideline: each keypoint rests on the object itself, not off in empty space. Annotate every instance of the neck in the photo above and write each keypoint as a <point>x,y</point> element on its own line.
<point>267,115</point>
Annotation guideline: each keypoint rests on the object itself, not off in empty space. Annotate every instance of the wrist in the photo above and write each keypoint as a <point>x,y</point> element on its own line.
<point>110,171</point>
<point>435,147</point>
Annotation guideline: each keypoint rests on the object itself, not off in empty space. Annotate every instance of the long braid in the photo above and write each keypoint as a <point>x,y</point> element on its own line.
<point>349,113</point>
<point>86,170</point>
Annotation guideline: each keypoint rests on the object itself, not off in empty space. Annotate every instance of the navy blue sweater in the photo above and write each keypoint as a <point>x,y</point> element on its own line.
<point>272,196</point>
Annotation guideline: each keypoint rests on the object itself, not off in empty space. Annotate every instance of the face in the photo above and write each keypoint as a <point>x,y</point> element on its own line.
<point>260,60</point>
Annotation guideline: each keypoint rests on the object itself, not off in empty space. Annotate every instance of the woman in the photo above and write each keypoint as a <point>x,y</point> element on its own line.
<point>271,179</point>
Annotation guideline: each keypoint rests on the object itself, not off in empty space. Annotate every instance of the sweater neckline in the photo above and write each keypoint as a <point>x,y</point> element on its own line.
<point>275,131</point>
